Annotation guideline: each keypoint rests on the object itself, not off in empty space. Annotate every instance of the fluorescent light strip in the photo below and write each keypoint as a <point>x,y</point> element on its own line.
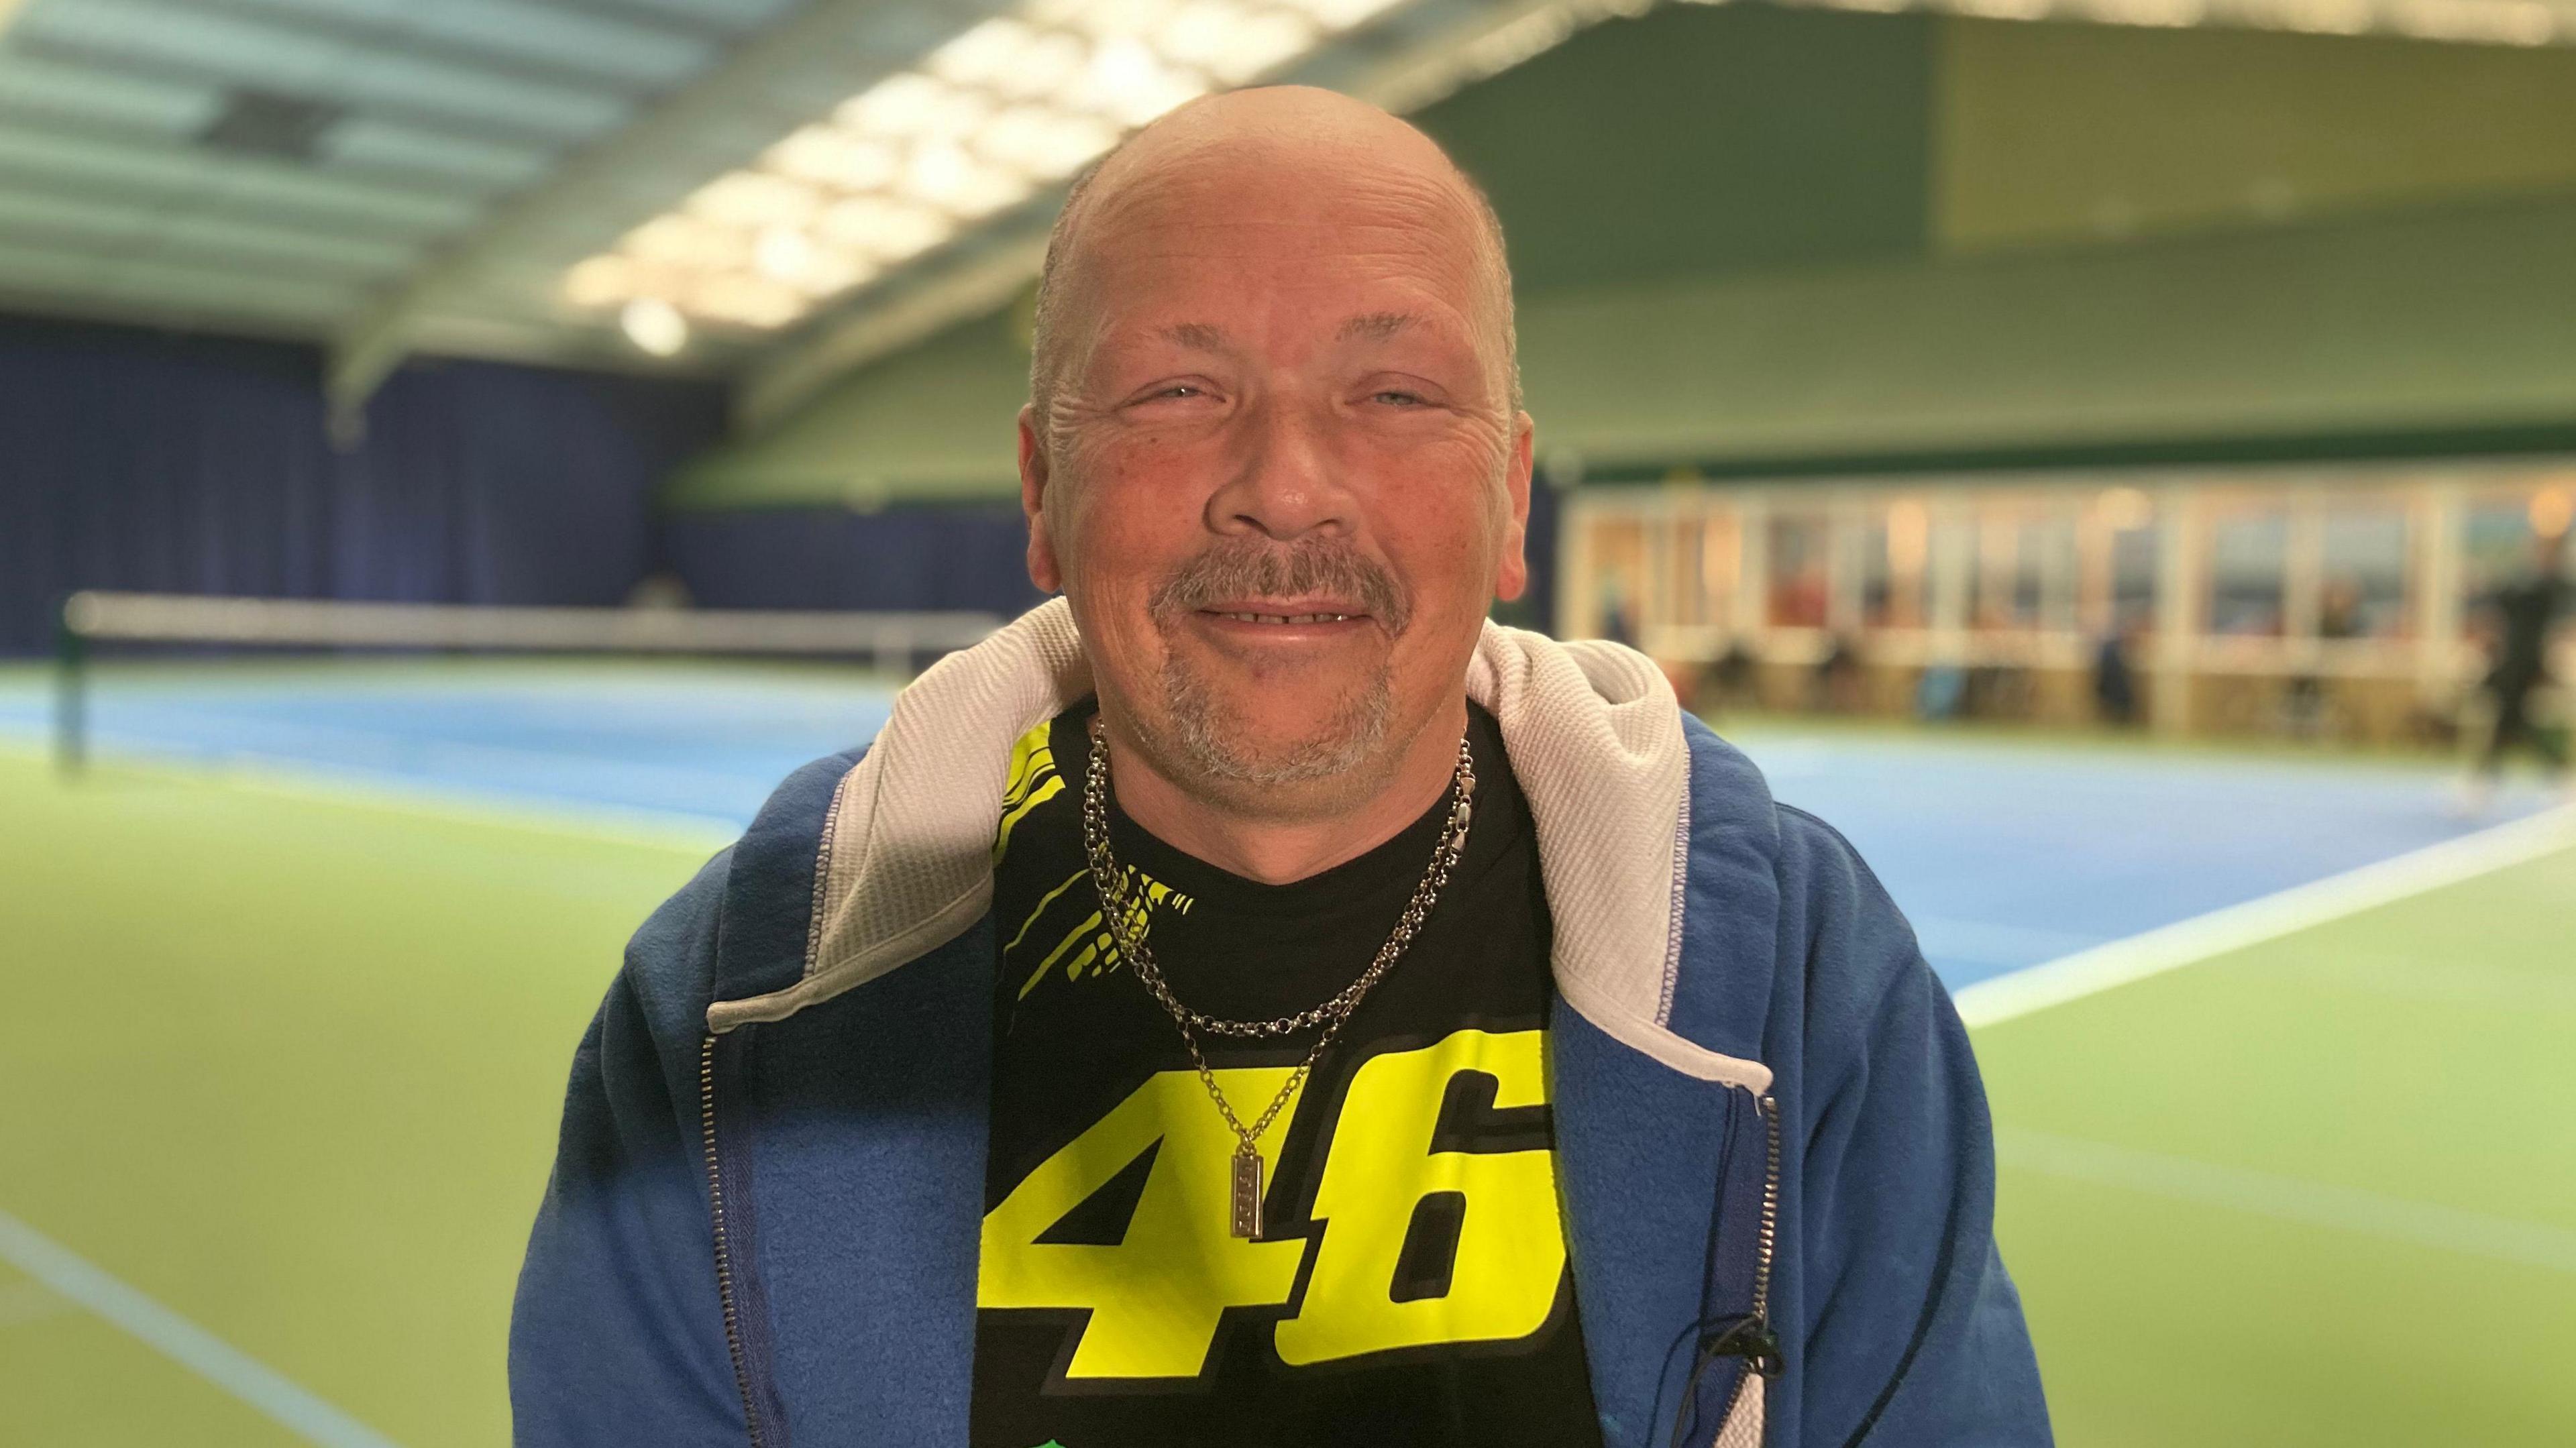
<point>1013,105</point>
<point>2470,22</point>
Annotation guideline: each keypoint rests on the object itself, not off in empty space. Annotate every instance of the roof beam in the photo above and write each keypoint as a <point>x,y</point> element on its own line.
<point>47,124</point>
<point>745,82</point>
<point>666,20</point>
<point>22,180</point>
<point>435,120</point>
<point>90,244</point>
<point>395,39</point>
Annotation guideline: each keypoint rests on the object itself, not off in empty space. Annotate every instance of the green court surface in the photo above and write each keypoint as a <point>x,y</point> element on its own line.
<point>287,1065</point>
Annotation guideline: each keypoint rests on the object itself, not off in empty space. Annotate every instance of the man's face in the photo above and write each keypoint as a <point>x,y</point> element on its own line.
<point>1281,479</point>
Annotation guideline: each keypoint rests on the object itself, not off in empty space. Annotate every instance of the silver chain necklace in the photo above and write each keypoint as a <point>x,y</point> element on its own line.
<point>1125,915</point>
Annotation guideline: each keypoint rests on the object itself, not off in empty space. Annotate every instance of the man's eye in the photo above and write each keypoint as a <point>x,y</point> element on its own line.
<point>1177,389</point>
<point>1396,398</point>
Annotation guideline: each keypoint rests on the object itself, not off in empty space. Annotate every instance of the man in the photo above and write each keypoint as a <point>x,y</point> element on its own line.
<point>1253,1000</point>
<point>2525,611</point>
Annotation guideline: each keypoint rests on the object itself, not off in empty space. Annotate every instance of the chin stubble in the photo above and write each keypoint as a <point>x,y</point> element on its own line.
<point>1207,733</point>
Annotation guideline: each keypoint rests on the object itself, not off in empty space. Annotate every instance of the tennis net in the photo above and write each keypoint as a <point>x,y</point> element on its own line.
<point>211,632</point>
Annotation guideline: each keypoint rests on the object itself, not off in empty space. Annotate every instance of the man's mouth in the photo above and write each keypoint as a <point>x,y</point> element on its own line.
<point>1286,614</point>
<point>1284,618</point>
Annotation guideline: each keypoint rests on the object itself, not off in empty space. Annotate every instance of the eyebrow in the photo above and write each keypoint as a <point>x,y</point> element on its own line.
<point>1376,326</point>
<point>1197,336</point>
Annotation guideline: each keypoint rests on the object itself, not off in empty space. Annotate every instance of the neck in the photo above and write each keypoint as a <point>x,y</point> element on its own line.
<point>1278,848</point>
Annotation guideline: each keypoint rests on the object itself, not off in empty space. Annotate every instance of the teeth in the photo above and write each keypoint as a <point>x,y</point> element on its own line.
<point>1288,617</point>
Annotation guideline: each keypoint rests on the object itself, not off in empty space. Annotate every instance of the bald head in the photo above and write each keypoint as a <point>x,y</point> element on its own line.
<point>1273,155</point>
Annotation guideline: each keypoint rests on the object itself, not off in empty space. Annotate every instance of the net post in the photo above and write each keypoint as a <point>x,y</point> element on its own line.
<point>71,691</point>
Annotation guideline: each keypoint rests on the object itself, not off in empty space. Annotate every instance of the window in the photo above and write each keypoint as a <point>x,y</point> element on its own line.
<point>2498,539</point>
<point>1798,572</point>
<point>2134,553</point>
<point>2026,574</point>
<point>1894,546</point>
<point>2248,552</point>
<point>1618,573</point>
<point>2364,576</point>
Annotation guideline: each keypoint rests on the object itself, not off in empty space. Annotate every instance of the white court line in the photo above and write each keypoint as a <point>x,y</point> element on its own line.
<point>2185,942</point>
<point>182,1341</point>
<point>2290,1199</point>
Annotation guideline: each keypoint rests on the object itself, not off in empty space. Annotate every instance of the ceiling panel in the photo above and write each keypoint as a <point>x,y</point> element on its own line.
<point>31,84</point>
<point>436,169</point>
<point>145,291</point>
<point>158,151</point>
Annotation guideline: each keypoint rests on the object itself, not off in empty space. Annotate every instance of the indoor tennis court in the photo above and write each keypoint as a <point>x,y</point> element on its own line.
<point>2114,460</point>
<point>2254,1152</point>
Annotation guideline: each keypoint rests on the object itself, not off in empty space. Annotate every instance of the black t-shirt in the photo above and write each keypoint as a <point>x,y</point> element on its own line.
<point>1410,1285</point>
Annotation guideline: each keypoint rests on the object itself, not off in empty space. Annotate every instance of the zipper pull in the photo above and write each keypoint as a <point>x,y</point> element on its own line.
<point>1751,1339</point>
<point>1761,1349</point>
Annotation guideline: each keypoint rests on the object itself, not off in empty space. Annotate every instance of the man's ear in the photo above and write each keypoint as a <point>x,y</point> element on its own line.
<point>1511,580</point>
<point>1043,569</point>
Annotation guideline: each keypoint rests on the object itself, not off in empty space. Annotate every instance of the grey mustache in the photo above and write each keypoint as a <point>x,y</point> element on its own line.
<point>1231,571</point>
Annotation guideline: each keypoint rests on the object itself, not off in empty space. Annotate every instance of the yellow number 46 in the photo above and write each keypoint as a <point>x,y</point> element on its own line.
<point>1155,1298</point>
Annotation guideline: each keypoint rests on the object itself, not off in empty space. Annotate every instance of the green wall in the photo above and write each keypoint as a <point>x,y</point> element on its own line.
<point>1752,233</point>
<point>2453,321</point>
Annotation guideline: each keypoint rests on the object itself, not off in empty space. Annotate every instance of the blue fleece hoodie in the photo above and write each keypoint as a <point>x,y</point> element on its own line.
<point>1778,1191</point>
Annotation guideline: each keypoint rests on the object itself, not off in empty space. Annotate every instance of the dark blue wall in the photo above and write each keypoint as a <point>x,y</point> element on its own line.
<point>139,460</point>
<point>969,557</point>
<point>952,556</point>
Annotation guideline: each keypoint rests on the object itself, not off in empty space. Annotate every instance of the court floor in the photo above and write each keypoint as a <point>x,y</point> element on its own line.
<point>308,950</point>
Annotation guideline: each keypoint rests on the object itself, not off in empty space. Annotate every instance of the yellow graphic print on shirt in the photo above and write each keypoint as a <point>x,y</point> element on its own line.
<point>1155,1298</point>
<point>1074,938</point>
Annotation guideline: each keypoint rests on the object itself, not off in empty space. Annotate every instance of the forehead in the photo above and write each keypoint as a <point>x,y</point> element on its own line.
<point>1310,238</point>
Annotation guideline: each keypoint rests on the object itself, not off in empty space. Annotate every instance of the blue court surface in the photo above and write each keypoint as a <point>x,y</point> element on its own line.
<point>2004,854</point>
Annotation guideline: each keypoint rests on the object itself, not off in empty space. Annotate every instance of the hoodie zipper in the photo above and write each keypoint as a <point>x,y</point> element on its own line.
<point>1770,1237</point>
<point>724,1251</point>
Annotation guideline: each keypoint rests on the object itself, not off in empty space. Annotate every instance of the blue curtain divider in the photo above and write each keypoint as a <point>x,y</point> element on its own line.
<point>966,556</point>
<point>138,460</point>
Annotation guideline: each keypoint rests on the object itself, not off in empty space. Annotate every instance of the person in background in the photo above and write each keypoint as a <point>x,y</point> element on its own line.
<point>2338,617</point>
<point>2115,680</point>
<point>2522,613</point>
<point>1617,625</point>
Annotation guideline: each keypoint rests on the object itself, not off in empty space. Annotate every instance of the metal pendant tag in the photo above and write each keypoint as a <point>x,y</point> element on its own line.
<point>1247,1192</point>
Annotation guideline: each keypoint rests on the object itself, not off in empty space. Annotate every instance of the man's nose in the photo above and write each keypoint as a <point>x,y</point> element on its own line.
<point>1284,483</point>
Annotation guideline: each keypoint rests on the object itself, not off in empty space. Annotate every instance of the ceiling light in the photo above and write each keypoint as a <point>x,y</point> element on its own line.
<point>914,105</point>
<point>1046,65</point>
<point>1223,40</point>
<point>884,228</point>
<point>784,251</point>
<point>1341,14</point>
<point>1130,84</point>
<point>1102,19</point>
<point>655,326</point>
<point>1043,144</point>
<point>797,259</point>
<point>831,156</point>
<point>752,301</point>
<point>689,241</point>
<point>983,56</point>
<point>754,199</point>
<point>601,281</point>
<point>949,177</point>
